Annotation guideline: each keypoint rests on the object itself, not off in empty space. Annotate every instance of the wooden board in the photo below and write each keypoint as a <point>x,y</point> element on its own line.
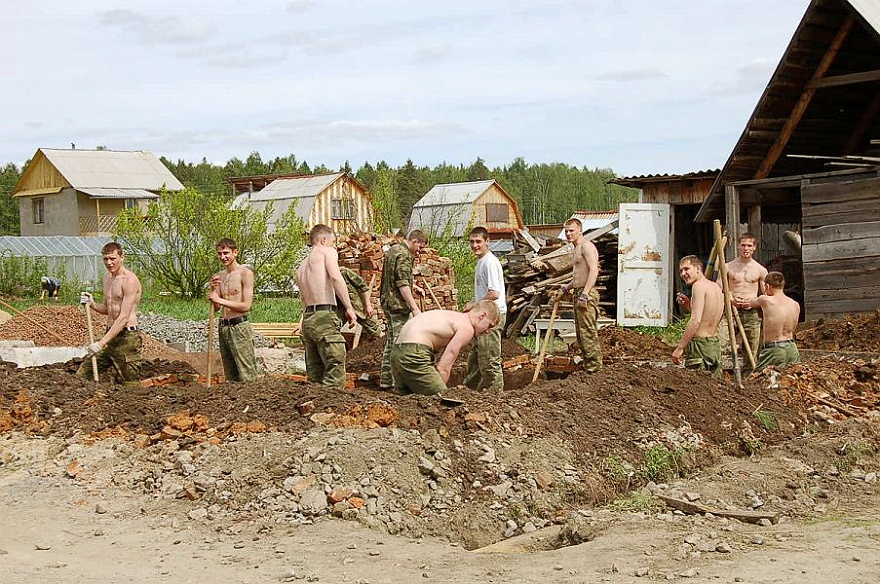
<point>276,330</point>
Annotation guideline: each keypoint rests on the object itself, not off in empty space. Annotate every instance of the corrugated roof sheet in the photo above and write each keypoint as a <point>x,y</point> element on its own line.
<point>441,219</point>
<point>112,169</point>
<point>97,193</point>
<point>52,246</point>
<point>296,187</point>
<point>591,220</point>
<point>631,181</point>
<point>454,193</point>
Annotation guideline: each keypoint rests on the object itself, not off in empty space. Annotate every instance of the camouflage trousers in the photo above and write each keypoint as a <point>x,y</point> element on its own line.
<point>704,353</point>
<point>484,364</point>
<point>780,354</point>
<point>752,326</point>
<point>123,355</point>
<point>586,326</point>
<point>393,324</point>
<point>237,352</point>
<point>412,366</point>
<point>325,349</point>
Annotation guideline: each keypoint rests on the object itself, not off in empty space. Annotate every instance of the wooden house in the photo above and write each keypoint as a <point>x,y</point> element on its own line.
<point>453,209</point>
<point>810,156</point>
<point>338,199</point>
<point>80,192</point>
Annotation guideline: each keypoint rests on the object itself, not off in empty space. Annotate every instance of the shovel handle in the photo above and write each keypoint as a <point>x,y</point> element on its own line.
<point>91,340</point>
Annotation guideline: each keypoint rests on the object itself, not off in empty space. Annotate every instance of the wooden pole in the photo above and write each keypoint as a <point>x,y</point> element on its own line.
<point>433,297</point>
<point>210,343</point>
<point>547,338</point>
<point>742,332</point>
<point>725,286</point>
<point>64,341</point>
<point>91,341</point>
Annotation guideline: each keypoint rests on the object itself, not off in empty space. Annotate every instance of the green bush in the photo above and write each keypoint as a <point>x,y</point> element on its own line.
<point>20,276</point>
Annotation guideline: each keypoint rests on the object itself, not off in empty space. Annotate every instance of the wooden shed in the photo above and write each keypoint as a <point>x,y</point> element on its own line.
<point>80,192</point>
<point>452,209</point>
<point>338,199</point>
<point>810,156</point>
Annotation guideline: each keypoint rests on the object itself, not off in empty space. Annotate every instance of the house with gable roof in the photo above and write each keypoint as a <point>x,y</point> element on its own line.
<point>452,209</point>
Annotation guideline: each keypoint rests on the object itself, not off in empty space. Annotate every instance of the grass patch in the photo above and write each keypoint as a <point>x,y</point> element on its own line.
<point>264,309</point>
<point>636,501</point>
<point>670,334</point>
<point>766,418</point>
<point>662,464</point>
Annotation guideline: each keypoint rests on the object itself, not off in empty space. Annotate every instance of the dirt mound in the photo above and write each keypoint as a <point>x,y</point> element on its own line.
<point>620,344</point>
<point>60,326</point>
<point>854,333</point>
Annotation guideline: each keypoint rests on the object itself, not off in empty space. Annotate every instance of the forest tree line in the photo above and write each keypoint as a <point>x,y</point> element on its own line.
<point>545,193</point>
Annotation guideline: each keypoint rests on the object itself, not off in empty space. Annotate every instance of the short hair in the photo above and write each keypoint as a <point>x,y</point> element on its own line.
<point>318,231</point>
<point>490,308</point>
<point>574,221</point>
<point>112,247</point>
<point>775,280</point>
<point>481,231</point>
<point>692,260</point>
<point>745,236</point>
<point>226,242</point>
<point>418,235</point>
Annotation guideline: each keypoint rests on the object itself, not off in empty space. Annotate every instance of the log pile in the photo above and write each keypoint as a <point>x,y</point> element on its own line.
<point>365,254</point>
<point>538,266</point>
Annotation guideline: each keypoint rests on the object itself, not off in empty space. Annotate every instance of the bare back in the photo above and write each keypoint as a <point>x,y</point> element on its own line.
<point>313,278</point>
<point>707,305</point>
<point>122,294</point>
<point>781,315</point>
<point>435,328</point>
<point>745,277</point>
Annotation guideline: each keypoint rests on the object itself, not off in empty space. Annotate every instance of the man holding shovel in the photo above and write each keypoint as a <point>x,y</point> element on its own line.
<point>585,270</point>
<point>233,289</point>
<point>745,277</point>
<point>120,347</point>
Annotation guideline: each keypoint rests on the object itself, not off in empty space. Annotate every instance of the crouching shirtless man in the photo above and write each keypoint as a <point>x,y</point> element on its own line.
<point>781,315</point>
<point>423,336</point>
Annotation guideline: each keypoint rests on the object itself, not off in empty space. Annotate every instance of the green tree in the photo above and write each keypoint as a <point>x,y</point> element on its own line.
<point>9,219</point>
<point>410,188</point>
<point>478,171</point>
<point>174,245</point>
<point>386,209</point>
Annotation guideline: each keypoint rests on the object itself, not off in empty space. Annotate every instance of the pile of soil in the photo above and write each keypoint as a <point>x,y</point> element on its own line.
<point>621,344</point>
<point>860,333</point>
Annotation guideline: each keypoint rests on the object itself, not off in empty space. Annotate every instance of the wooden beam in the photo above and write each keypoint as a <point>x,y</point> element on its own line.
<point>848,79</point>
<point>731,206</point>
<point>804,101</point>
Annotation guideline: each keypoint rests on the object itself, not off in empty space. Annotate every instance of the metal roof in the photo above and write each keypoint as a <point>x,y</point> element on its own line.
<point>51,246</point>
<point>636,181</point>
<point>97,193</point>
<point>591,220</point>
<point>454,193</point>
<point>112,169</point>
<point>296,187</point>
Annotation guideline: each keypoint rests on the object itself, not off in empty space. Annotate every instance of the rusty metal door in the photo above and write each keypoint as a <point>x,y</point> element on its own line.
<point>644,296</point>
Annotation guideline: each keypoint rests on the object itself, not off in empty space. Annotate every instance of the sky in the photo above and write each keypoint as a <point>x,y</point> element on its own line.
<point>637,86</point>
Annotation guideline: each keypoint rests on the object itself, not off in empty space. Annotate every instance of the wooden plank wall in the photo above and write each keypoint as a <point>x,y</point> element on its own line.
<point>841,250</point>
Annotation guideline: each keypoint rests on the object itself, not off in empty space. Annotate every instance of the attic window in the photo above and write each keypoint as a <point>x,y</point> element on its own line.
<point>496,213</point>
<point>342,209</point>
<point>38,208</point>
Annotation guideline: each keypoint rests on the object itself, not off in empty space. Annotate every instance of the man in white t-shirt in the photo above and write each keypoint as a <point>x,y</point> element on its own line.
<point>484,357</point>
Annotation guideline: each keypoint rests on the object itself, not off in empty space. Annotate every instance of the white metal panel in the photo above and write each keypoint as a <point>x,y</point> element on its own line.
<point>644,265</point>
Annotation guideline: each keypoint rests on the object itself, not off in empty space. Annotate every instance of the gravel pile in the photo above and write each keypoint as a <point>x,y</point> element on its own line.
<point>191,334</point>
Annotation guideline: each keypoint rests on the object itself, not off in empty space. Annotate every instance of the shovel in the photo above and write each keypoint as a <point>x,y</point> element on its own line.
<point>547,338</point>
<point>91,340</point>
<point>450,402</point>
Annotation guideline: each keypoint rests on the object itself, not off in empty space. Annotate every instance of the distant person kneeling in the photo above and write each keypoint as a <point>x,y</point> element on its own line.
<point>781,316</point>
<point>415,348</point>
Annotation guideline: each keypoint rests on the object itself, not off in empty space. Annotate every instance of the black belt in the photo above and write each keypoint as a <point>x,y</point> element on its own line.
<point>778,343</point>
<point>233,321</point>
<point>127,328</point>
<point>319,307</point>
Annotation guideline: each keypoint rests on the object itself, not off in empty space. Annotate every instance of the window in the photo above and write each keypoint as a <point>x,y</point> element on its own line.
<point>496,213</point>
<point>39,217</point>
<point>131,203</point>
<point>342,209</point>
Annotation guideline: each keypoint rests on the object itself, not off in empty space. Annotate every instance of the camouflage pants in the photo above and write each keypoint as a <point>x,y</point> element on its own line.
<point>237,352</point>
<point>704,353</point>
<point>484,360</point>
<point>586,326</point>
<point>752,326</point>
<point>393,324</point>
<point>123,354</point>
<point>779,354</point>
<point>412,366</point>
<point>325,349</point>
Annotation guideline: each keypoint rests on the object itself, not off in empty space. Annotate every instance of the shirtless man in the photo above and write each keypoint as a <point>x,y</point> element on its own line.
<point>428,333</point>
<point>120,348</point>
<point>781,315</point>
<point>320,283</point>
<point>745,278</point>
<point>233,290</point>
<point>699,344</point>
<point>585,270</point>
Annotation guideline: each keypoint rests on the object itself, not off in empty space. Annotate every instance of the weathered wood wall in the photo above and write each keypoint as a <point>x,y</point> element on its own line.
<point>322,211</point>
<point>841,248</point>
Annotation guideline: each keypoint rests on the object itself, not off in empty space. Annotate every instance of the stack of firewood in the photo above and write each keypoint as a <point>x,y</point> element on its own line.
<point>538,266</point>
<point>365,254</point>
